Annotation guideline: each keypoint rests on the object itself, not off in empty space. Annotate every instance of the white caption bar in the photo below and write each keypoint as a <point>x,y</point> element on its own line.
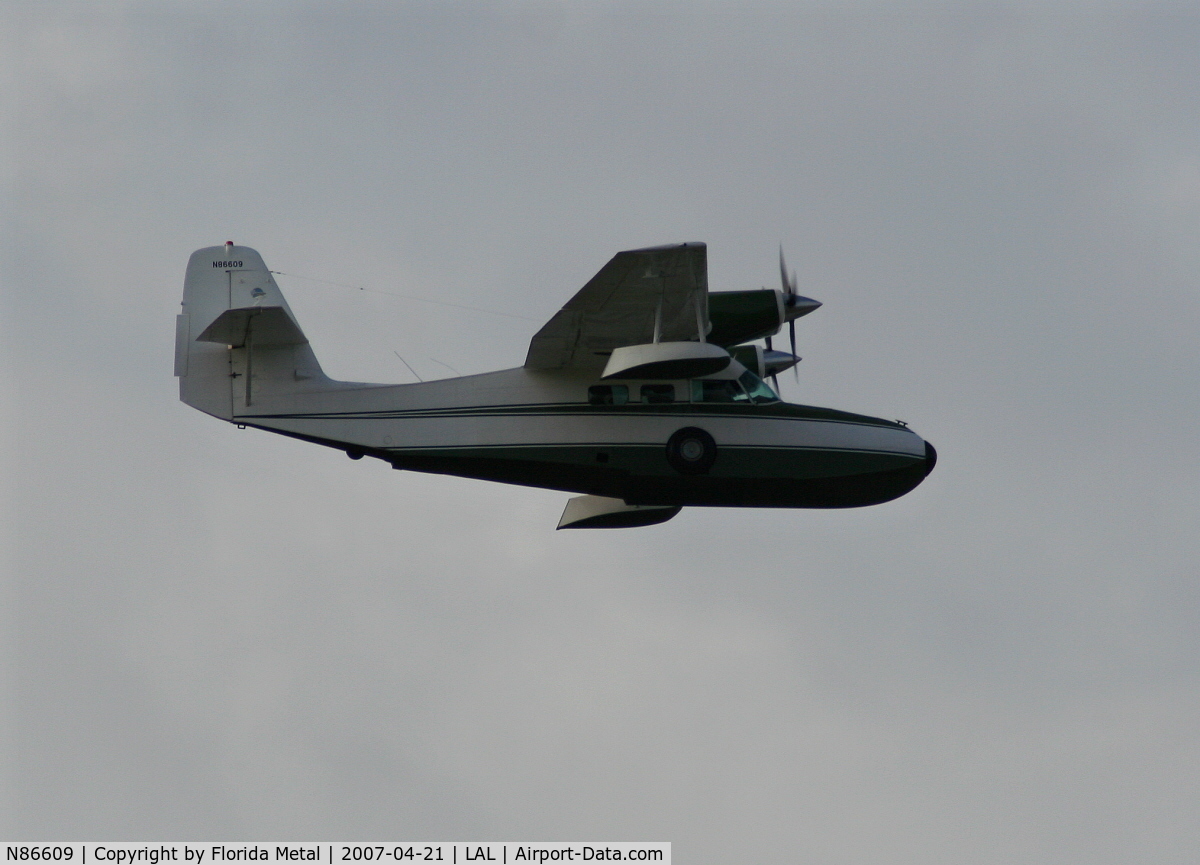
<point>351,853</point>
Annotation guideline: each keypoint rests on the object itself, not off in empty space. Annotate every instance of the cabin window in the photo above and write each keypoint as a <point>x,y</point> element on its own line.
<point>718,390</point>
<point>658,393</point>
<point>757,388</point>
<point>608,394</point>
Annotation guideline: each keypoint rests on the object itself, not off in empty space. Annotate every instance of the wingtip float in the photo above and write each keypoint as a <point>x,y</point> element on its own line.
<point>644,394</point>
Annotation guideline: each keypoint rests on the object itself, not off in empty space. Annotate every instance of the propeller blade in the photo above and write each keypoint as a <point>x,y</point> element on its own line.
<point>774,377</point>
<point>789,287</point>
<point>794,304</point>
<point>792,334</point>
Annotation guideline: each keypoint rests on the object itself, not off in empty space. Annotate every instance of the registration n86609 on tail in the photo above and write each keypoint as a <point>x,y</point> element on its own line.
<point>645,393</point>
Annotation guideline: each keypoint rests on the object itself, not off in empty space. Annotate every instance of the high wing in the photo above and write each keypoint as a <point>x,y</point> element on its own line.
<point>619,306</point>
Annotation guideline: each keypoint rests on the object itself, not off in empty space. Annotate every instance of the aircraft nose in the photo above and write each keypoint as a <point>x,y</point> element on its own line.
<point>930,458</point>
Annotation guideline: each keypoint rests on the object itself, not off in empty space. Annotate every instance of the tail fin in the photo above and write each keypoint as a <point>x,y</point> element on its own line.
<point>236,339</point>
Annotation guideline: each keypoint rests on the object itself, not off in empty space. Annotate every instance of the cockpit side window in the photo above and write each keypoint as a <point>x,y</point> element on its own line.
<point>608,394</point>
<point>658,393</point>
<point>718,390</point>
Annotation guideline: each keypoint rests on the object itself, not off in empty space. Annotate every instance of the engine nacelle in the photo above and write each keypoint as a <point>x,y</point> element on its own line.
<point>763,362</point>
<point>743,316</point>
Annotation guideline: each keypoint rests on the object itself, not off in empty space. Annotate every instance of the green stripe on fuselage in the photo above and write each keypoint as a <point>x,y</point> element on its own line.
<point>776,410</point>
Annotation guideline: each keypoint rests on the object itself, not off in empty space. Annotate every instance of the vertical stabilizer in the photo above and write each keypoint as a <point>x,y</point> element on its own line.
<point>236,337</point>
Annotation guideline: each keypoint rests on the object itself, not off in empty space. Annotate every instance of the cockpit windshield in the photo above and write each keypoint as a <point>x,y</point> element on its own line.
<point>757,388</point>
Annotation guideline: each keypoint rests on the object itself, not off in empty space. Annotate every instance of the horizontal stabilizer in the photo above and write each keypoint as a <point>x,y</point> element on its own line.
<point>266,325</point>
<point>599,512</point>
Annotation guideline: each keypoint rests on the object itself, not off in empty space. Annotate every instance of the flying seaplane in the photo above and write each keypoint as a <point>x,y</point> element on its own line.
<point>645,394</point>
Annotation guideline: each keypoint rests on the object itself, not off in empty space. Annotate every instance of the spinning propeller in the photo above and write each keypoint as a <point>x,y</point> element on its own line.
<point>794,306</point>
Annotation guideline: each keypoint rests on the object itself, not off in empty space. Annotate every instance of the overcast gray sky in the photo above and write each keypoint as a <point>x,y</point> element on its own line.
<point>216,634</point>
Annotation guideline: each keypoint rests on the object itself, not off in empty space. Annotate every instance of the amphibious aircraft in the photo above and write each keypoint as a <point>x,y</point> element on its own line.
<point>645,393</point>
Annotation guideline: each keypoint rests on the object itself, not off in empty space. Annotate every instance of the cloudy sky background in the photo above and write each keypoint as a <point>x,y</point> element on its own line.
<point>222,635</point>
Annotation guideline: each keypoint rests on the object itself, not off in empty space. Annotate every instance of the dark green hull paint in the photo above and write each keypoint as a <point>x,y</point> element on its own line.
<point>640,474</point>
<point>650,461</point>
<point>846,491</point>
